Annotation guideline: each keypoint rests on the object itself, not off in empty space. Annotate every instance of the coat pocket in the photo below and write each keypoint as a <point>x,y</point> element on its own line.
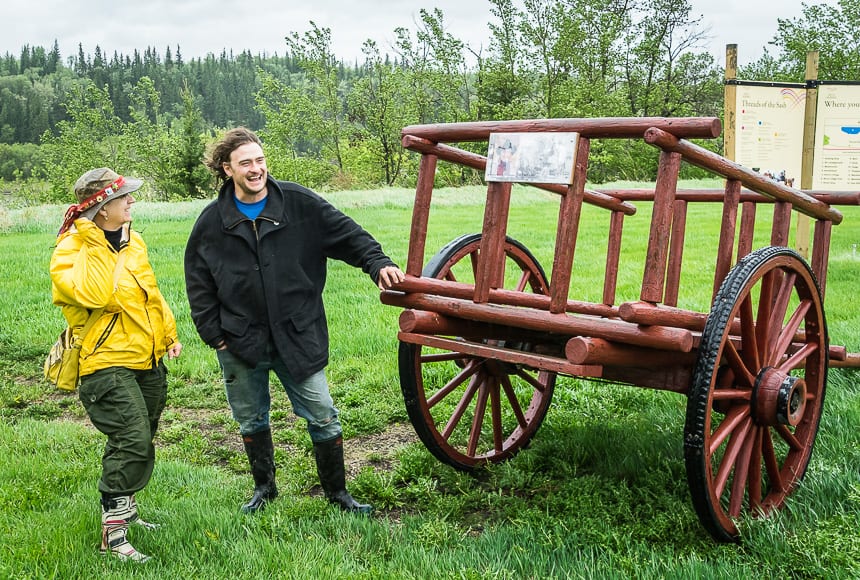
<point>233,325</point>
<point>308,315</point>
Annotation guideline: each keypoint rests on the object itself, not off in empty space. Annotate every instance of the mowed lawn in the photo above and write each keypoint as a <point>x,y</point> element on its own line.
<point>600,493</point>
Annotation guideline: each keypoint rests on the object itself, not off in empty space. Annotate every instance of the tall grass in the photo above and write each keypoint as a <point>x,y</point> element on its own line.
<point>600,493</point>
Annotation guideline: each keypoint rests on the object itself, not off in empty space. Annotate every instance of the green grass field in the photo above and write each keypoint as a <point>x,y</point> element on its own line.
<point>600,493</point>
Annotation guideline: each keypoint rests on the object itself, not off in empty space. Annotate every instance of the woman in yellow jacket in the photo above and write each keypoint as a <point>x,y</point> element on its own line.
<point>100,263</point>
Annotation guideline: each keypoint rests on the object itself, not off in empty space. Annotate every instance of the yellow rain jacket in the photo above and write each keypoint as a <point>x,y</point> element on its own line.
<point>137,327</point>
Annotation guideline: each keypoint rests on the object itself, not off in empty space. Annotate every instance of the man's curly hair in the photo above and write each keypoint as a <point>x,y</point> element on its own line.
<point>220,152</point>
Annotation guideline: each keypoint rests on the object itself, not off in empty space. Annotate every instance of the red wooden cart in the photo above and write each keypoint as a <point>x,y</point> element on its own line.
<point>479,359</point>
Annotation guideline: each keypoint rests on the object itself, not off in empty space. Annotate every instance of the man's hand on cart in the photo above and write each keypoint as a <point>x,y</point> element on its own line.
<point>389,276</point>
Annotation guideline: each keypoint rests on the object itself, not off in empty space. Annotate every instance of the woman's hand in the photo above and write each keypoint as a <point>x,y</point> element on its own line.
<point>174,350</point>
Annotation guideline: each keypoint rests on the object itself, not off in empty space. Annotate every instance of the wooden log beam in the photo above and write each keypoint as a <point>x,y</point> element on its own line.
<point>649,314</point>
<point>500,296</point>
<point>661,337</point>
<point>851,361</point>
<point>711,161</point>
<point>479,162</point>
<point>600,127</point>
<point>424,322</point>
<point>597,351</point>
<point>718,195</point>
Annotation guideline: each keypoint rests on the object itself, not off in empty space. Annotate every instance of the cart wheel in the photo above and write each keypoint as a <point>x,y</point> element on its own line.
<point>757,392</point>
<point>468,410</point>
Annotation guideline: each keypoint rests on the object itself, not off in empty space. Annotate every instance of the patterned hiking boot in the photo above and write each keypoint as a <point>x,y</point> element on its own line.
<point>137,520</point>
<point>115,520</point>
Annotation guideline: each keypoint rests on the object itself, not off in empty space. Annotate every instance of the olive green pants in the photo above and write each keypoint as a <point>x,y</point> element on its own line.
<point>125,405</point>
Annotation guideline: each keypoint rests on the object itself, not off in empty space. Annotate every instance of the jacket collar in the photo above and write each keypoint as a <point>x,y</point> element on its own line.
<point>230,214</point>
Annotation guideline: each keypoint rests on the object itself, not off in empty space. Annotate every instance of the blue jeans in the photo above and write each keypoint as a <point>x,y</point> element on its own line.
<point>249,398</point>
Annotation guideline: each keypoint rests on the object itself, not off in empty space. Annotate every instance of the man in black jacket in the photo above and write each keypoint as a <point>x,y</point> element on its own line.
<point>255,268</point>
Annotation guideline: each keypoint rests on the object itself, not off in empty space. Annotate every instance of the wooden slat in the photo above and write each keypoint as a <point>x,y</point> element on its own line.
<point>745,237</point>
<point>491,261</point>
<point>781,224</point>
<point>613,256</point>
<point>536,361</point>
<point>676,254</point>
<point>661,221</point>
<point>568,226</point>
<point>727,233</point>
<point>421,214</point>
<point>820,251</point>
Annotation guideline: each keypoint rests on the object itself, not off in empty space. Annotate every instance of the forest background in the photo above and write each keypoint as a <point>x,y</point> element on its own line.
<point>333,125</point>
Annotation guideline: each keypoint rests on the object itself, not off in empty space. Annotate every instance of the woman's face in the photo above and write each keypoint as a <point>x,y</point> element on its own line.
<point>116,213</point>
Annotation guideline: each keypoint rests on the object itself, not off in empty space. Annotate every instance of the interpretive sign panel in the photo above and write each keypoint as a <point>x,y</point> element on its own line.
<point>531,157</point>
<point>769,129</point>
<point>837,138</point>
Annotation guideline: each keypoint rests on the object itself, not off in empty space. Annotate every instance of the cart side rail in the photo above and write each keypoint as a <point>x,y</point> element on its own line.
<point>661,277</point>
<point>753,180</point>
<point>590,128</point>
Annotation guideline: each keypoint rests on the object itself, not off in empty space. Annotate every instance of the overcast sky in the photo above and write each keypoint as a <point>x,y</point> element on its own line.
<point>203,26</point>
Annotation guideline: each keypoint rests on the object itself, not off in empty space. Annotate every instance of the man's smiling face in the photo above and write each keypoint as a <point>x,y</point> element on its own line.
<point>247,167</point>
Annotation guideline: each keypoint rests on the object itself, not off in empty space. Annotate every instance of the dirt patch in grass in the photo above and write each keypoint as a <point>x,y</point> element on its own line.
<point>215,425</point>
<point>377,450</point>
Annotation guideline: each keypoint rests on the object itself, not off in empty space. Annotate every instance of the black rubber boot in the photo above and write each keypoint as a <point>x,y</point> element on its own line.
<point>330,468</point>
<point>261,456</point>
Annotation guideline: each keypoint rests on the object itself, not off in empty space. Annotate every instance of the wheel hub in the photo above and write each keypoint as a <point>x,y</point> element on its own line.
<point>778,398</point>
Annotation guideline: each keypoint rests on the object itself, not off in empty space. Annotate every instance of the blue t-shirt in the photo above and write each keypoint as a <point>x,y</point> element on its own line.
<point>252,210</point>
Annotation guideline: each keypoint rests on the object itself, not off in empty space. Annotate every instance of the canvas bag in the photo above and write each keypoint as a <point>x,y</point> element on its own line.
<point>62,366</point>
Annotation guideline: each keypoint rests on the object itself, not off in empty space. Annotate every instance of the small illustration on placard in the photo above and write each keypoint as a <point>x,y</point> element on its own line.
<point>531,157</point>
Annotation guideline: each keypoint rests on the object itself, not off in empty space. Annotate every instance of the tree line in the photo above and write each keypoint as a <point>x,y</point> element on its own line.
<point>331,124</point>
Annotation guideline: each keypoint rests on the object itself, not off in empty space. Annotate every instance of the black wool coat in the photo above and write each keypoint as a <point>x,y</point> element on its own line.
<point>251,283</point>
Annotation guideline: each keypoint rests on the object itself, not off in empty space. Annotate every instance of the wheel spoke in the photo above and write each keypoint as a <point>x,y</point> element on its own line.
<point>478,417</point>
<point>740,480</point>
<point>789,437</point>
<point>749,346</point>
<point>765,305</point>
<point>801,354</point>
<point>771,463</point>
<point>728,460</point>
<point>755,495</point>
<point>737,364</point>
<point>788,332</point>
<point>727,427</point>
<point>474,383</point>
<point>512,399</point>
<point>473,258</point>
<point>732,394</point>
<point>523,281</point>
<point>777,315</point>
<point>496,415</point>
<point>455,382</point>
<point>533,381</point>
